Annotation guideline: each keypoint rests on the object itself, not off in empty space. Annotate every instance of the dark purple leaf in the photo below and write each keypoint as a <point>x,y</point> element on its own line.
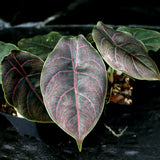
<point>21,84</point>
<point>122,52</point>
<point>74,86</point>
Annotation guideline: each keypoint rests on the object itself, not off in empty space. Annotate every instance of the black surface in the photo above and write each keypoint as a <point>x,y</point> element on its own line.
<point>140,141</point>
<point>82,11</point>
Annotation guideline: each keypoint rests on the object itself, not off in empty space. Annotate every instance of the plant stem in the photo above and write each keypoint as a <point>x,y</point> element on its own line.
<point>111,78</point>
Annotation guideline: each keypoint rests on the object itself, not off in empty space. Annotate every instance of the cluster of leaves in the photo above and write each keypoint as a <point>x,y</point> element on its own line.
<point>60,79</point>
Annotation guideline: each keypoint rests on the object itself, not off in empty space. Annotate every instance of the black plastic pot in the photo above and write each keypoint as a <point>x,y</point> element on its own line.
<point>23,126</point>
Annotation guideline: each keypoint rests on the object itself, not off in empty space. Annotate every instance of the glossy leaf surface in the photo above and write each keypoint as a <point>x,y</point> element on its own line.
<point>124,53</point>
<point>150,38</point>
<point>21,84</point>
<point>5,49</point>
<point>74,86</point>
<point>40,45</point>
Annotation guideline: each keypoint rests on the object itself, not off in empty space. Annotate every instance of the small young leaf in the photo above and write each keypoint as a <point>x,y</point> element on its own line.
<point>150,38</point>
<point>73,84</point>
<point>40,45</point>
<point>5,49</point>
<point>124,53</point>
<point>21,84</point>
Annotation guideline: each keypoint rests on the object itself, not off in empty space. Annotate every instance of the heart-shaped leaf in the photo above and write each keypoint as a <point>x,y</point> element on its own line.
<point>73,84</point>
<point>124,53</point>
<point>5,49</point>
<point>21,84</point>
<point>40,45</point>
<point>150,38</point>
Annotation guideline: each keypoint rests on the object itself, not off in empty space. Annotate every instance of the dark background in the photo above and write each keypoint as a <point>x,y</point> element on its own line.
<point>82,11</point>
<point>142,138</point>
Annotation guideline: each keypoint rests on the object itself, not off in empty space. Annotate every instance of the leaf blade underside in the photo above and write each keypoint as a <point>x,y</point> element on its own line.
<point>73,85</point>
<point>40,45</point>
<point>5,49</point>
<point>150,38</point>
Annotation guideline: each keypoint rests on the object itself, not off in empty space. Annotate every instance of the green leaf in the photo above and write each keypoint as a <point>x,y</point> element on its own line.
<point>150,38</point>
<point>5,49</point>
<point>40,45</point>
<point>21,85</point>
<point>124,53</point>
<point>73,84</point>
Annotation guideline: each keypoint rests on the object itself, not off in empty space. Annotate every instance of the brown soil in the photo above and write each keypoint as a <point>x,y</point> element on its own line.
<point>120,91</point>
<point>6,108</point>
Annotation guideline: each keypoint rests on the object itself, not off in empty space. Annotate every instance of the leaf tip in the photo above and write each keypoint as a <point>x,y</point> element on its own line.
<point>80,147</point>
<point>99,24</point>
<point>79,144</point>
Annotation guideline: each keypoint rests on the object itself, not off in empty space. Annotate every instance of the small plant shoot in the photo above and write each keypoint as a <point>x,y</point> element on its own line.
<point>64,80</point>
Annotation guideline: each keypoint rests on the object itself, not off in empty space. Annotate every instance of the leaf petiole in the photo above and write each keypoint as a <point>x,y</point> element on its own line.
<point>111,71</point>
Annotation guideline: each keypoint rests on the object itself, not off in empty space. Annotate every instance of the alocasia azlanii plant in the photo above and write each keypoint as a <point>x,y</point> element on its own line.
<point>69,87</point>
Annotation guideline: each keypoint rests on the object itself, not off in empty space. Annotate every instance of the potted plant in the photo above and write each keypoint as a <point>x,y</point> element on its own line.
<point>65,79</point>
